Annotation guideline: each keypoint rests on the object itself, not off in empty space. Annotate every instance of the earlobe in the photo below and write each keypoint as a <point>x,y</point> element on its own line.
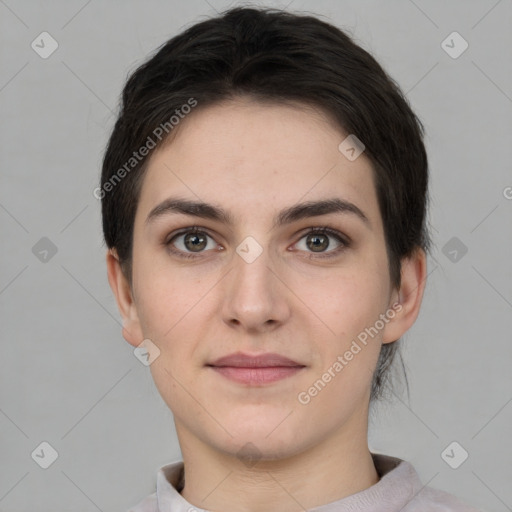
<point>132,331</point>
<point>407,301</point>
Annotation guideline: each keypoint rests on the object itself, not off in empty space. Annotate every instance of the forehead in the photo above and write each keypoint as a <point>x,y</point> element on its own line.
<point>251,155</point>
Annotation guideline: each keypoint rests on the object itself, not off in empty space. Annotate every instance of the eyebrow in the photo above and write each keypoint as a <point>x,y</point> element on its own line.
<point>173,205</point>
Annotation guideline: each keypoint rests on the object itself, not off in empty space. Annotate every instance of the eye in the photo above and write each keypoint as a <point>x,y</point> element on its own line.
<point>193,241</point>
<point>317,241</point>
<point>190,241</point>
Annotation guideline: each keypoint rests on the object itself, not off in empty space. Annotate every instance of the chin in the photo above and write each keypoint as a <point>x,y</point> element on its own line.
<point>264,440</point>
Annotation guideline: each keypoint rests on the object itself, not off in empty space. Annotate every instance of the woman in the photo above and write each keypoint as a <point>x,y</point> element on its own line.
<point>264,196</point>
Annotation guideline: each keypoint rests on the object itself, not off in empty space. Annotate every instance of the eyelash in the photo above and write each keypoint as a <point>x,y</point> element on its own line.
<point>324,230</point>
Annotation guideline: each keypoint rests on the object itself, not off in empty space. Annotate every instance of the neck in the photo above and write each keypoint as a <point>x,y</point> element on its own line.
<point>339,466</point>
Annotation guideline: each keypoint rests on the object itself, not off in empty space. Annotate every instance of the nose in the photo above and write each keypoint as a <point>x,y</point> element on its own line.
<point>255,297</point>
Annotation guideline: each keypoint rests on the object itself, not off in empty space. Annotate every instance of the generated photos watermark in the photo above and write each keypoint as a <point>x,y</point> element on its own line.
<point>158,133</point>
<point>304,397</point>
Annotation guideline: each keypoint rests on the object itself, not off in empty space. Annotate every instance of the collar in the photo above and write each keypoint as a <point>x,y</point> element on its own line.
<point>398,484</point>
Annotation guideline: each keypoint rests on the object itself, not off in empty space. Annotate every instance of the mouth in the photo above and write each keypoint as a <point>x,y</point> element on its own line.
<point>255,370</point>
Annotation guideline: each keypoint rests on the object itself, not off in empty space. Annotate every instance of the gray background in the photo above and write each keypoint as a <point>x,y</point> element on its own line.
<point>67,375</point>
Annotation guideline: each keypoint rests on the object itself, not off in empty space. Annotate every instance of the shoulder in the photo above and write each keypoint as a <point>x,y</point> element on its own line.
<point>401,482</point>
<point>148,504</point>
<point>430,499</point>
<point>166,496</point>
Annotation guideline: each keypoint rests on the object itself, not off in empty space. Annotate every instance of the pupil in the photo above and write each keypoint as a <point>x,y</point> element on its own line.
<point>315,239</point>
<point>198,241</point>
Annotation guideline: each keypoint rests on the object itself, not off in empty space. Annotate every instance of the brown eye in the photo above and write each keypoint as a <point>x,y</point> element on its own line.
<point>190,241</point>
<point>317,243</point>
<point>195,241</point>
<point>323,242</point>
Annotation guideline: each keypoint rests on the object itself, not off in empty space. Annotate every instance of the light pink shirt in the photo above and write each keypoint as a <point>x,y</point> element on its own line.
<point>398,490</point>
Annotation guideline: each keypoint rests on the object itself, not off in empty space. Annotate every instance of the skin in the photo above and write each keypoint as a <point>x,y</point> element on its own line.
<point>254,160</point>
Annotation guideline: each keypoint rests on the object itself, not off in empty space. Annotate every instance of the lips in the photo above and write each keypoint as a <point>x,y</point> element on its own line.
<point>256,370</point>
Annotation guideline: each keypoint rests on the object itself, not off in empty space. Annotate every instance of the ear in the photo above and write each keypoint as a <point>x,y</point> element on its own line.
<point>132,331</point>
<point>407,301</point>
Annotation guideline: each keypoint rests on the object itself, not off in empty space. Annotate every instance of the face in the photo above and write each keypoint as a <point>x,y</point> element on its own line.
<point>258,272</point>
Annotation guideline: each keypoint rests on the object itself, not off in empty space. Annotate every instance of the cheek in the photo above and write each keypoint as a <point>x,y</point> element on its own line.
<point>165,294</point>
<point>347,301</point>
<point>177,311</point>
